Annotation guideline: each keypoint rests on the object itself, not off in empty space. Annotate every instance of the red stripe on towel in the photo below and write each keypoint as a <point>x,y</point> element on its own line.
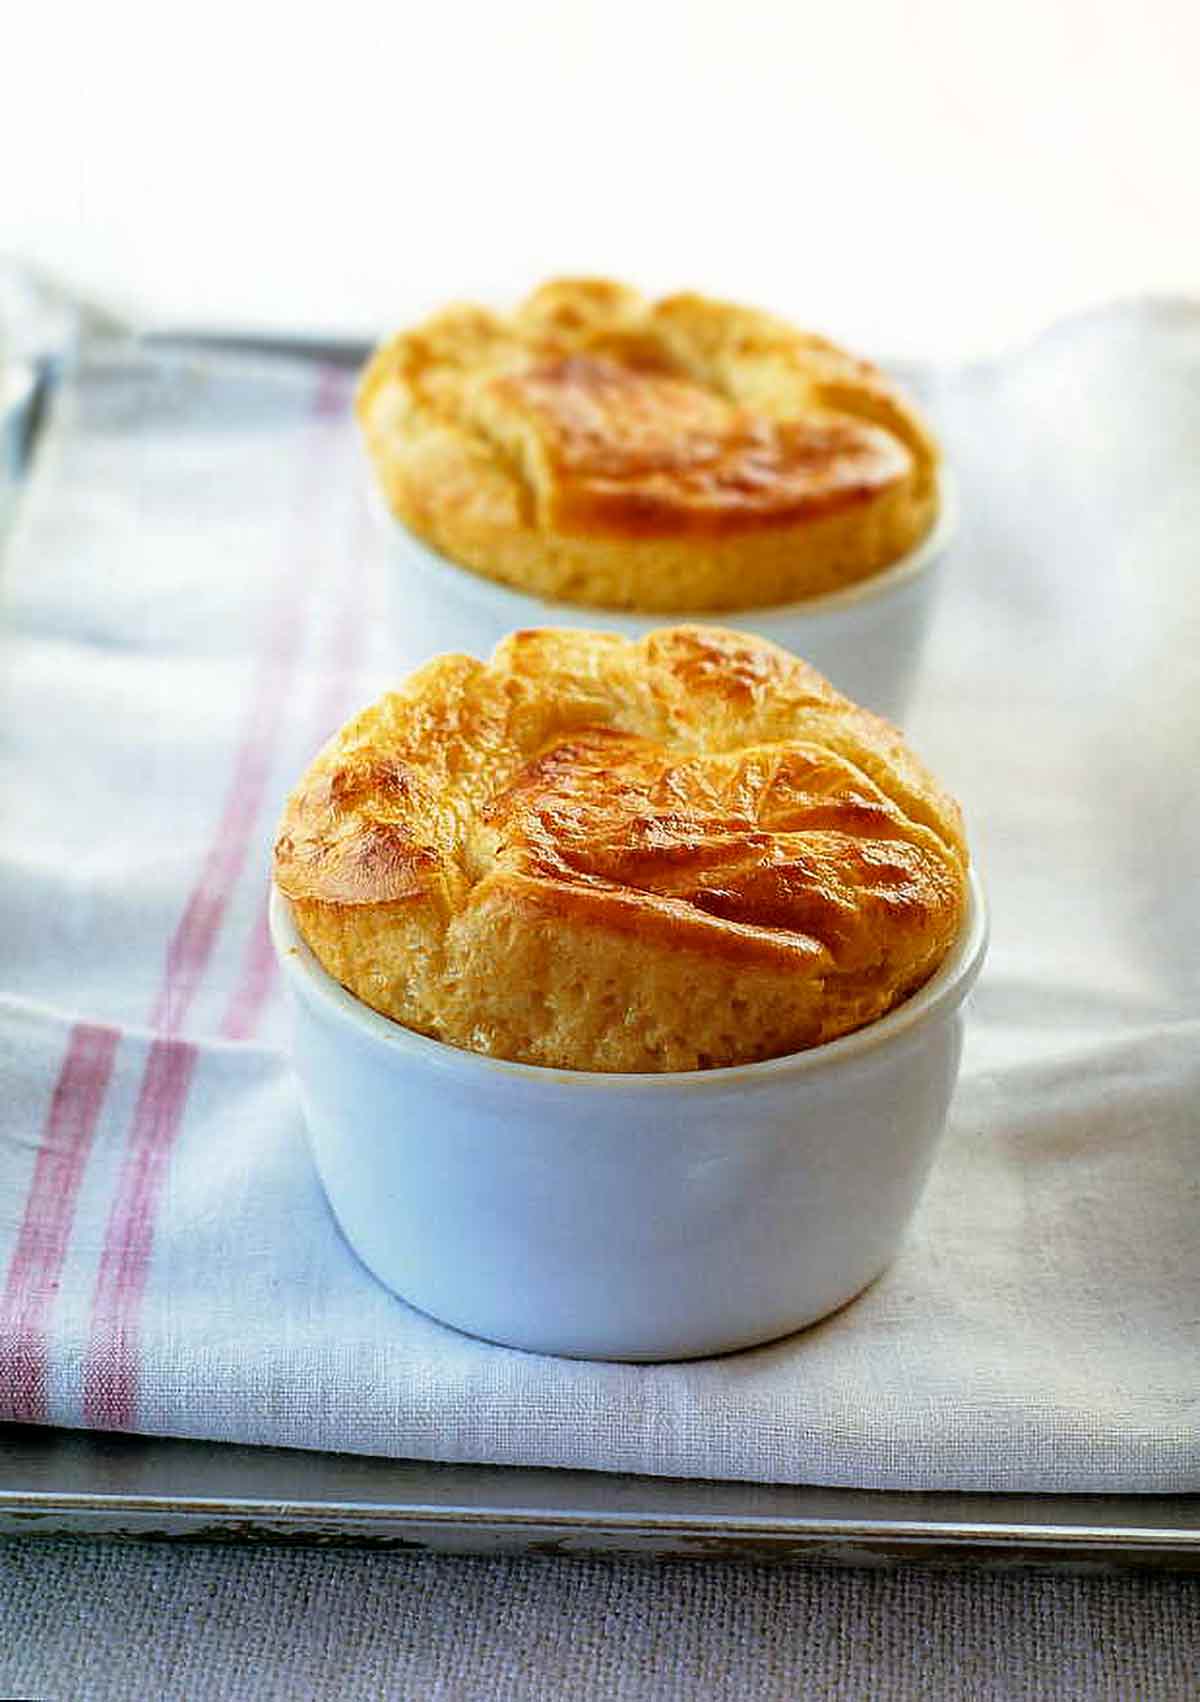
<point>111,1372</point>
<point>110,1380</point>
<point>35,1268</point>
<point>257,976</point>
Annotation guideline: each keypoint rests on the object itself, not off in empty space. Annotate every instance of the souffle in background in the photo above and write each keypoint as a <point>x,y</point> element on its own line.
<point>677,456</point>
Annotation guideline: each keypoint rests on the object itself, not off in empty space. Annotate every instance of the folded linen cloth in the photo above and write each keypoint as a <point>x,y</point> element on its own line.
<point>191,602</point>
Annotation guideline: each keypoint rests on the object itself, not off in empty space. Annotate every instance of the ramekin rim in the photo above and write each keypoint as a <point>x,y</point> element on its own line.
<point>948,985</point>
<point>525,609</point>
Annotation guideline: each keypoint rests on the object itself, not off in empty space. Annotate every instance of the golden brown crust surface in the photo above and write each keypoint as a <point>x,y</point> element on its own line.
<point>678,455</point>
<point>596,854</point>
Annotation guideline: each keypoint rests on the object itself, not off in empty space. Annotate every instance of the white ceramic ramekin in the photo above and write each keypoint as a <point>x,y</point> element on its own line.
<point>624,1216</point>
<point>866,639</point>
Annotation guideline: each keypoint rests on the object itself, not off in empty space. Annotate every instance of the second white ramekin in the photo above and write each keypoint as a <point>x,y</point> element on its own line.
<point>633,1217</point>
<point>867,640</point>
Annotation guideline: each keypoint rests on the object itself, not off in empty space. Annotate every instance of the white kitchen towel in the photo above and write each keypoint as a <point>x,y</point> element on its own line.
<point>192,601</point>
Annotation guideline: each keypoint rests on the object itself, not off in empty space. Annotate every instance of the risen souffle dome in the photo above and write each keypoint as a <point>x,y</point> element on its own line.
<point>596,854</point>
<point>682,455</point>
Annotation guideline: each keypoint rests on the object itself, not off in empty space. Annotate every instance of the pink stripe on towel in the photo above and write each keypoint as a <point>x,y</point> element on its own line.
<point>257,975</point>
<point>35,1269</point>
<point>111,1371</point>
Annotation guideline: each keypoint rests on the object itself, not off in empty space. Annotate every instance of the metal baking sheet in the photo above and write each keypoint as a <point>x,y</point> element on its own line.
<point>56,1482</point>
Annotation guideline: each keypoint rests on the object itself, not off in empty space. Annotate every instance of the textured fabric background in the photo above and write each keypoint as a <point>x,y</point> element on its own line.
<point>190,606</point>
<point>103,1623</point>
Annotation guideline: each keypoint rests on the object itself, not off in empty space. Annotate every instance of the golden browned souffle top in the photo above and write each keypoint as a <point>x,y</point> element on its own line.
<point>597,854</point>
<point>678,455</point>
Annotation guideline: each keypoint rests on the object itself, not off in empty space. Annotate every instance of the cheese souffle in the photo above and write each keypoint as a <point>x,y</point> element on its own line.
<point>678,853</point>
<point>682,455</point>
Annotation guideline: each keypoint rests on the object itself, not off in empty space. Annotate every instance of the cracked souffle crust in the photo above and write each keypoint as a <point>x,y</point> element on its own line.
<point>597,854</point>
<point>682,455</point>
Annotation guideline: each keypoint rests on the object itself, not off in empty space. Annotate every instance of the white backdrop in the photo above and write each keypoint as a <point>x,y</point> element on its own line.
<point>918,176</point>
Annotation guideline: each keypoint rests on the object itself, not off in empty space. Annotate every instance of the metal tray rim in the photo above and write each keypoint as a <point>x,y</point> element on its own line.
<point>55,1482</point>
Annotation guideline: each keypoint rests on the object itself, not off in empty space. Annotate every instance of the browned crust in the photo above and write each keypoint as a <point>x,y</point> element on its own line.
<point>564,855</point>
<point>672,455</point>
<point>633,454</point>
